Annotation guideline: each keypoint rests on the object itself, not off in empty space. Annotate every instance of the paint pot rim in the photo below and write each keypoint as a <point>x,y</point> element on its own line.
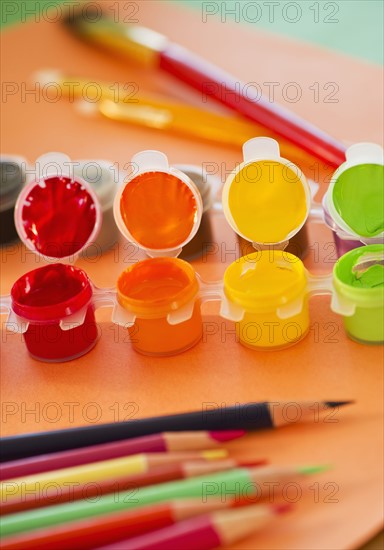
<point>265,158</point>
<point>20,203</point>
<point>263,301</point>
<point>61,309</point>
<point>334,213</point>
<point>149,308</point>
<point>108,189</point>
<point>186,180</point>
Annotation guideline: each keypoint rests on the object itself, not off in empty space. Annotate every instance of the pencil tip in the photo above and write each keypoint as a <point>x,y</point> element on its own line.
<point>214,454</point>
<point>252,463</point>
<point>334,404</point>
<point>282,508</point>
<point>311,470</point>
<point>226,435</point>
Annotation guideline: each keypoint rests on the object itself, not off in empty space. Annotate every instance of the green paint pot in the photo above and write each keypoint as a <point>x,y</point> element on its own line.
<point>358,280</point>
<point>355,197</point>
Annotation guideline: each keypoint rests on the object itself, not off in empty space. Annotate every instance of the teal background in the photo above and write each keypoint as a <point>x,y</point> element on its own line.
<point>358,30</point>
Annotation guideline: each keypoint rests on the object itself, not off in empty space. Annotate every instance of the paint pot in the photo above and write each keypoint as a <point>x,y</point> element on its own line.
<point>12,179</point>
<point>358,280</point>
<point>159,209</point>
<point>104,180</point>
<point>161,296</point>
<point>266,293</point>
<point>353,204</point>
<point>55,310</point>
<point>208,186</point>
<point>266,199</point>
<point>56,215</point>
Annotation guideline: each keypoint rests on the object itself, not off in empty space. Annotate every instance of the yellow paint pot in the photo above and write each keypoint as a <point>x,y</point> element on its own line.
<point>266,199</point>
<point>266,293</point>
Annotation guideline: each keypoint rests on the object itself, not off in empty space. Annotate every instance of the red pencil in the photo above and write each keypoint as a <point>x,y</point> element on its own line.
<point>164,442</point>
<point>204,532</point>
<point>158,474</point>
<point>91,532</point>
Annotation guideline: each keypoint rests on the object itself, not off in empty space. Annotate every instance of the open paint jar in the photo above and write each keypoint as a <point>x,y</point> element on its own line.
<point>159,209</point>
<point>358,280</point>
<point>104,180</point>
<point>353,204</point>
<point>266,293</point>
<point>266,199</point>
<point>56,215</point>
<point>159,297</point>
<point>12,179</point>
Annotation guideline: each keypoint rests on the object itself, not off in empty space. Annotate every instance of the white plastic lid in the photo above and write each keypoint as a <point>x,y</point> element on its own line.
<point>372,156</point>
<point>266,199</point>
<point>159,208</point>
<point>102,176</point>
<point>57,214</point>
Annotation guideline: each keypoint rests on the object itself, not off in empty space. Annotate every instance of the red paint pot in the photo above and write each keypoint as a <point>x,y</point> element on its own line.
<point>57,215</point>
<point>55,311</point>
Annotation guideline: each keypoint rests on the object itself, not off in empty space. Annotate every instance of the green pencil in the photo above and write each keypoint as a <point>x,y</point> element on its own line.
<point>243,482</point>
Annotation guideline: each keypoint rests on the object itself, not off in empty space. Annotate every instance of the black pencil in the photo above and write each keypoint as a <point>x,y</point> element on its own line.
<point>248,416</point>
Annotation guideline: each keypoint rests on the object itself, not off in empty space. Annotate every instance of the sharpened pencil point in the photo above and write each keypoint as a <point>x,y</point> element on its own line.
<point>311,470</point>
<point>282,508</point>
<point>214,454</point>
<point>334,404</point>
<point>252,463</point>
<point>226,435</point>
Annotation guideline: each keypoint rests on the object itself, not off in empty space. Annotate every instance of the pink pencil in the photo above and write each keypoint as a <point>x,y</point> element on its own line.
<point>158,443</point>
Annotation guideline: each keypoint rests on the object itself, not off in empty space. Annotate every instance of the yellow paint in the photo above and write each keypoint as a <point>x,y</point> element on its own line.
<point>263,284</point>
<point>267,201</point>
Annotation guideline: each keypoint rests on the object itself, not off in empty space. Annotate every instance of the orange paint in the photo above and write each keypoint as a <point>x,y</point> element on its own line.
<point>152,289</point>
<point>158,210</point>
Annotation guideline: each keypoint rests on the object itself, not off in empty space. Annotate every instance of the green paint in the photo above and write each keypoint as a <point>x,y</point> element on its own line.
<point>358,196</point>
<point>365,290</point>
<point>370,278</point>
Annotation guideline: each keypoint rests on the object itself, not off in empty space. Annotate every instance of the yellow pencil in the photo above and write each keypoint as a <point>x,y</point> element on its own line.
<point>98,471</point>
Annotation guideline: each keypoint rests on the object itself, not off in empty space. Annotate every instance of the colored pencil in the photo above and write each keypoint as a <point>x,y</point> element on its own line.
<point>99,471</point>
<point>155,50</point>
<point>224,527</point>
<point>156,443</point>
<point>158,474</point>
<point>88,533</point>
<point>247,416</point>
<point>252,482</point>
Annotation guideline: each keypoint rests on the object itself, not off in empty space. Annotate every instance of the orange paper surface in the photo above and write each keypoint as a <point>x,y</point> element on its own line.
<point>339,509</point>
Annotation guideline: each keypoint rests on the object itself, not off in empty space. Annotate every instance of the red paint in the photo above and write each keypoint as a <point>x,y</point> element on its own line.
<point>214,82</point>
<point>58,217</point>
<point>48,295</point>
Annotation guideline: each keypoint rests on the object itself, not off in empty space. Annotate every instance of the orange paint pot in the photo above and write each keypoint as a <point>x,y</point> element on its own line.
<point>158,303</point>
